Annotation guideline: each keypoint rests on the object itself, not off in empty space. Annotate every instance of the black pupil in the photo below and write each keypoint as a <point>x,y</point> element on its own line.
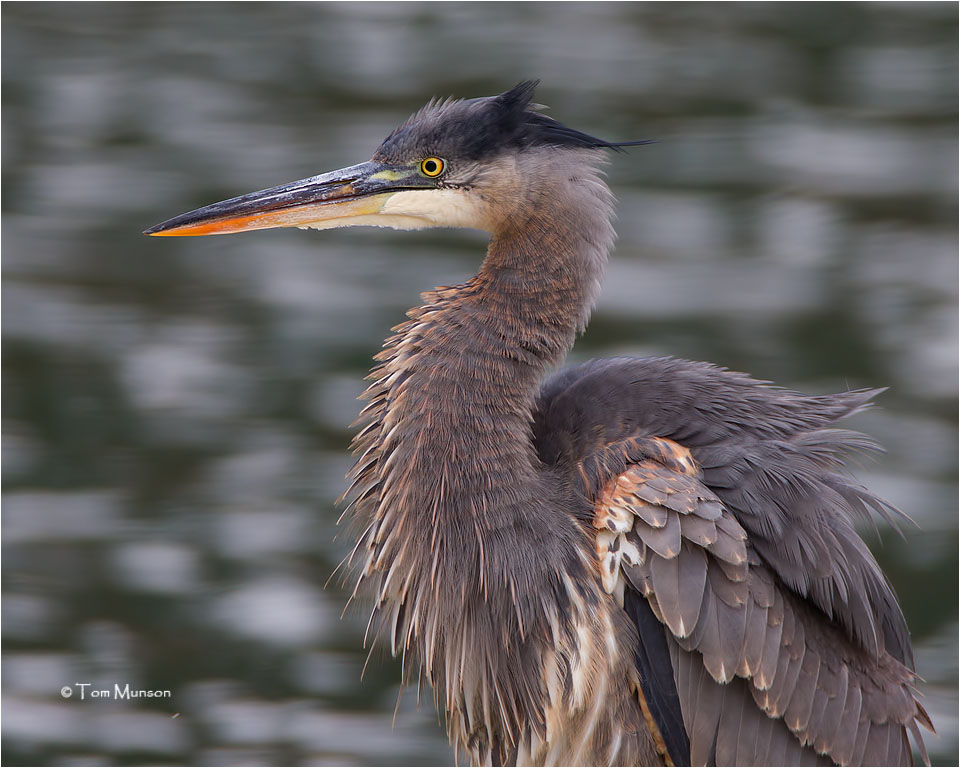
<point>430,166</point>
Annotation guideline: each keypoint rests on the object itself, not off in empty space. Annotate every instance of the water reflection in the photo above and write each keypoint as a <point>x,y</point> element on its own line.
<point>176,412</point>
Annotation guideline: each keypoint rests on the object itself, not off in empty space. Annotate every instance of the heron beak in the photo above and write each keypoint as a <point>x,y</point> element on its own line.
<point>351,196</point>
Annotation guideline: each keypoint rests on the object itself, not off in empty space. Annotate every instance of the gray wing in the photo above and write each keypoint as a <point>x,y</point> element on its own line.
<point>762,678</point>
<point>729,517</point>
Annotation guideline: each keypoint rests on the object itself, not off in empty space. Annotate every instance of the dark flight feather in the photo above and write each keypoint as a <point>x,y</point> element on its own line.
<point>656,678</point>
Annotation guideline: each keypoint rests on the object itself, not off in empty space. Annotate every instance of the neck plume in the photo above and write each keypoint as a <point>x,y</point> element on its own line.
<point>448,474</point>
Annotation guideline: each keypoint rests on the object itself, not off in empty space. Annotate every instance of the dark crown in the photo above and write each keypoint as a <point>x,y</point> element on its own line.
<point>476,128</point>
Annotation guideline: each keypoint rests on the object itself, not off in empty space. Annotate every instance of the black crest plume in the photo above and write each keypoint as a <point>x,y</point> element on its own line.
<point>478,128</point>
<point>535,128</point>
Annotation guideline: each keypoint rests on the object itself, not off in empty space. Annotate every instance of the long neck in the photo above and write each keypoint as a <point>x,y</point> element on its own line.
<point>449,478</point>
<point>461,376</point>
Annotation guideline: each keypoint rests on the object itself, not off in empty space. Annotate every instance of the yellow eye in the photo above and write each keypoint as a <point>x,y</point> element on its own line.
<point>431,166</point>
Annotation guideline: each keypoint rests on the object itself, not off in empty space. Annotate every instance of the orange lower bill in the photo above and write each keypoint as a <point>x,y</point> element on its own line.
<point>297,216</point>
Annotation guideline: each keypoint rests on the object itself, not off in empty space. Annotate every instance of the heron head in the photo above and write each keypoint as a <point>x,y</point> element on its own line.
<point>455,163</point>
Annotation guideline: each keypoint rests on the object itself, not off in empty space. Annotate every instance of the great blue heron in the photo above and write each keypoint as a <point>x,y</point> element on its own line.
<point>630,562</point>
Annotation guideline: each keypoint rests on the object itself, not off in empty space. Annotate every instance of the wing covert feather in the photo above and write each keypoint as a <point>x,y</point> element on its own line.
<point>761,674</point>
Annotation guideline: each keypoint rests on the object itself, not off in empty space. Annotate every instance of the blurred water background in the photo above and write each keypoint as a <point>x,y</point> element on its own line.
<point>175,412</point>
